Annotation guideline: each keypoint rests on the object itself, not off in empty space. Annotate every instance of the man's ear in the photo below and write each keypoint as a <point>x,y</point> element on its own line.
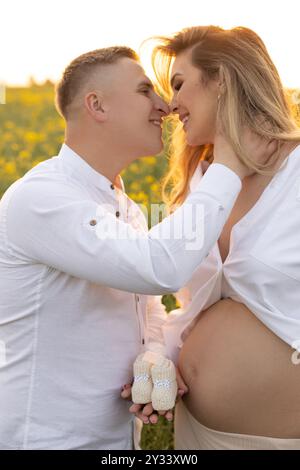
<point>94,104</point>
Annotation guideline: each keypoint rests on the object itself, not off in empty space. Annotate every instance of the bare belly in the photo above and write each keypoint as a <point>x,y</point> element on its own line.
<point>240,375</point>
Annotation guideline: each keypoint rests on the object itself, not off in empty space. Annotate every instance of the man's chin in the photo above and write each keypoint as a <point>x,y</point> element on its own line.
<point>153,150</point>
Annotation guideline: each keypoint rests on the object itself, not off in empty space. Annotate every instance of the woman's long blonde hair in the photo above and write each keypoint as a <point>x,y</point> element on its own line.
<point>252,96</point>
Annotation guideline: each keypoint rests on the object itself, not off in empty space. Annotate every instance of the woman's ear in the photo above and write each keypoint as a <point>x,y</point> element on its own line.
<point>94,104</point>
<point>221,82</point>
<point>221,88</point>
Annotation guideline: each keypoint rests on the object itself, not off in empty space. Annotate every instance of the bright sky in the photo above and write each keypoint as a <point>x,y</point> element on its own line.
<point>40,37</point>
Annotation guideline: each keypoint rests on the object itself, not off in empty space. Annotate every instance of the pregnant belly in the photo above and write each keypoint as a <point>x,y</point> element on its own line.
<point>240,375</point>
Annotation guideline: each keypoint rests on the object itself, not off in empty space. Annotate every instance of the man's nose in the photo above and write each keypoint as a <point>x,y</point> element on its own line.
<point>162,106</point>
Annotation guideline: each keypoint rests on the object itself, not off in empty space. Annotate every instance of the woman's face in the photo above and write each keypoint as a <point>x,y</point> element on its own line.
<point>195,102</point>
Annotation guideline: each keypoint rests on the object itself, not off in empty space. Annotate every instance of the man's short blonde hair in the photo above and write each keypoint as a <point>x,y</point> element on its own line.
<point>80,70</point>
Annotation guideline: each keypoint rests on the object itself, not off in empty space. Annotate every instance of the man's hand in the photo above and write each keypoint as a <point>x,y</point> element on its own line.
<point>259,148</point>
<point>146,412</point>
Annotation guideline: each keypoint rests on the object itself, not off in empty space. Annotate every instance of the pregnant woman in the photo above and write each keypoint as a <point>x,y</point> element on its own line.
<point>239,320</point>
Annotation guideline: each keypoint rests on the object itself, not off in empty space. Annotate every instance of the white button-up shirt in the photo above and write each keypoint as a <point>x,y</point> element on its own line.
<point>262,269</point>
<point>72,303</point>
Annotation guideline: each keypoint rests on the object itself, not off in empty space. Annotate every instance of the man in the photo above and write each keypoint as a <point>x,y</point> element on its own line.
<point>71,314</point>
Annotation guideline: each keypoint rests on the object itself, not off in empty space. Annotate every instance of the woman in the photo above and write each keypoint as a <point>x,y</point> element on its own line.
<point>237,360</point>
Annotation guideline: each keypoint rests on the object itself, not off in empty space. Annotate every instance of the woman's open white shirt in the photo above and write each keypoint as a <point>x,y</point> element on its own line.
<point>262,269</point>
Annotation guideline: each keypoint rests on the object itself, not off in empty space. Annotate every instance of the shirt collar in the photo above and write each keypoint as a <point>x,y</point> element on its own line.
<point>77,167</point>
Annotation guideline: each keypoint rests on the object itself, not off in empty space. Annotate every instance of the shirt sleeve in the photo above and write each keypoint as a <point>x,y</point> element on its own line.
<point>58,225</point>
<point>156,316</point>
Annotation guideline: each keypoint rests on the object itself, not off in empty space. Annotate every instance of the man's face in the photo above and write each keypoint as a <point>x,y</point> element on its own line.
<point>134,110</point>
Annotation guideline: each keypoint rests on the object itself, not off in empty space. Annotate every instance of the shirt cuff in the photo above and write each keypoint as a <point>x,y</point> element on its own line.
<point>221,183</point>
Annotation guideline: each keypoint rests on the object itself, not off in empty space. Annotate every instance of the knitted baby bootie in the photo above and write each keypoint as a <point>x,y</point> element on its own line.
<point>164,385</point>
<point>142,386</point>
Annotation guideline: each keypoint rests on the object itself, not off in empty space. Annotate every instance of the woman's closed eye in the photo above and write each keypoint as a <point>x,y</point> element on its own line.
<point>177,86</point>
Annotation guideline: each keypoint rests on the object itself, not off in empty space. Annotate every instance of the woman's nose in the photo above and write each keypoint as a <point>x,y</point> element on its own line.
<point>173,107</point>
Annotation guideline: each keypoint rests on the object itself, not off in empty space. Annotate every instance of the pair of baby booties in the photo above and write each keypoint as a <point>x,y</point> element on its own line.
<point>154,381</point>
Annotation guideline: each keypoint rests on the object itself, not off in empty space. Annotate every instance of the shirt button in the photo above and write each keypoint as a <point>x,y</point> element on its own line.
<point>118,214</point>
<point>93,222</point>
<point>112,186</point>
